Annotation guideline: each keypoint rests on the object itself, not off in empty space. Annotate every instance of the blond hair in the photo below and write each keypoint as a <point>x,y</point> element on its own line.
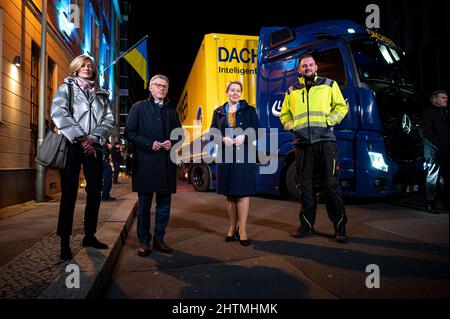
<point>77,63</point>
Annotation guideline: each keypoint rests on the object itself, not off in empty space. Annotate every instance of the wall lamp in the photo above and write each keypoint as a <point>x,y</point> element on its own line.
<point>17,61</point>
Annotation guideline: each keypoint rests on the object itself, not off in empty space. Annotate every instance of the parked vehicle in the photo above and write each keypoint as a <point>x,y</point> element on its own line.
<point>380,149</point>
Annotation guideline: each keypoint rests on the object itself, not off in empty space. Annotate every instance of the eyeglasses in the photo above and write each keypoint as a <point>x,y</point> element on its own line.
<point>161,86</point>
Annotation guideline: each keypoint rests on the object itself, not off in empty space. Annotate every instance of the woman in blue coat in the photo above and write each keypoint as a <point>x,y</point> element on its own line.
<point>236,176</point>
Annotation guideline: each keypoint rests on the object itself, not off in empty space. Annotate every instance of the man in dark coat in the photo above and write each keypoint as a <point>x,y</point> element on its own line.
<point>435,148</point>
<point>149,125</point>
<point>117,159</point>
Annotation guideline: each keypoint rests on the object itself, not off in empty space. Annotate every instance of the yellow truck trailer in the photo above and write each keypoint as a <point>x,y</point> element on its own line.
<point>220,59</point>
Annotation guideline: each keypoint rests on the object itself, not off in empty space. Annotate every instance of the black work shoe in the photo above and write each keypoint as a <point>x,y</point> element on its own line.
<point>93,242</point>
<point>161,246</point>
<point>303,232</point>
<point>340,235</point>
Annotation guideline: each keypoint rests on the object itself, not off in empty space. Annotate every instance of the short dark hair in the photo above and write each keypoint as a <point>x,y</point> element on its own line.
<point>116,143</point>
<point>304,56</point>
<point>436,93</point>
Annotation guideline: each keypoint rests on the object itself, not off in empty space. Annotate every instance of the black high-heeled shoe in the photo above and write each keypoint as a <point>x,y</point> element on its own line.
<point>230,238</point>
<point>244,242</point>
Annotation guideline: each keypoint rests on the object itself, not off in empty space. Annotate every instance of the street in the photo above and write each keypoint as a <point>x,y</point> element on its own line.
<point>407,247</point>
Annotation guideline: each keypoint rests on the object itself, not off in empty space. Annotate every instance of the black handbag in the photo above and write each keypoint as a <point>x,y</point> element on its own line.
<point>53,151</point>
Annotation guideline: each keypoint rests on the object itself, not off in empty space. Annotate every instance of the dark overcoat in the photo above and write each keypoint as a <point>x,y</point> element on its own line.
<point>149,122</point>
<point>239,177</point>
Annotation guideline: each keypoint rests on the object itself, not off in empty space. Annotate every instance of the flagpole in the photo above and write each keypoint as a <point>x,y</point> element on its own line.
<point>121,56</point>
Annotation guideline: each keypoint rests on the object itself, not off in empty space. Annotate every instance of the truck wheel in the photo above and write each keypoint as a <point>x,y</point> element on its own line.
<point>291,184</point>
<point>200,178</point>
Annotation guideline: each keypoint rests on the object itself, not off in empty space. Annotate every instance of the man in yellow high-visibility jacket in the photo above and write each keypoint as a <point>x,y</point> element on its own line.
<point>311,108</point>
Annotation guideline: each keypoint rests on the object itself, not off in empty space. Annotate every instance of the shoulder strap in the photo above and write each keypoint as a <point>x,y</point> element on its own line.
<point>70,98</point>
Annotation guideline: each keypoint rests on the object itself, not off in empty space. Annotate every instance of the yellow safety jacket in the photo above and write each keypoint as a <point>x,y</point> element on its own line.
<point>311,114</point>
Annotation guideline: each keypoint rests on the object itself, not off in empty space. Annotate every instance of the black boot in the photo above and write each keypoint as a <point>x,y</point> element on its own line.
<point>66,253</point>
<point>92,241</point>
<point>341,237</point>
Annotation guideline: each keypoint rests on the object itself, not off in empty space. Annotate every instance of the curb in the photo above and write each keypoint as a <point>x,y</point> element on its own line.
<point>89,271</point>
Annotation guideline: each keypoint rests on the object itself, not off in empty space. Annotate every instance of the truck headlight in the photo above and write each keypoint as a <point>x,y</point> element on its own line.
<point>377,161</point>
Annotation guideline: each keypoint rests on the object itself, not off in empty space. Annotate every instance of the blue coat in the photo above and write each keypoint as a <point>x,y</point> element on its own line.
<point>236,178</point>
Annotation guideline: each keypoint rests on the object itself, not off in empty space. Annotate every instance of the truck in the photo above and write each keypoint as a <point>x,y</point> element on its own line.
<point>379,142</point>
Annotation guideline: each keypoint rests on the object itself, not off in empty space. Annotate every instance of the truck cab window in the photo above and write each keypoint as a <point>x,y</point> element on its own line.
<point>331,66</point>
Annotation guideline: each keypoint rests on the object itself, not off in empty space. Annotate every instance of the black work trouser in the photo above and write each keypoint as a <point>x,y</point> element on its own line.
<point>70,175</point>
<point>319,158</point>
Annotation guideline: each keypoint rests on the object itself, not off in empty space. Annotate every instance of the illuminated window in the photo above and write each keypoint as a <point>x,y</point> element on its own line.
<point>35,56</point>
<point>50,86</point>
<point>34,119</point>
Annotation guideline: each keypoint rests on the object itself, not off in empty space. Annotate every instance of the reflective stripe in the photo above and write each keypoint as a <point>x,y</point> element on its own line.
<point>333,118</point>
<point>310,226</point>
<point>311,113</point>
<point>337,226</point>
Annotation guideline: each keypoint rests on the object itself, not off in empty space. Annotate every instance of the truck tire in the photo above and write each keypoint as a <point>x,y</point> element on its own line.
<point>200,178</point>
<point>291,184</point>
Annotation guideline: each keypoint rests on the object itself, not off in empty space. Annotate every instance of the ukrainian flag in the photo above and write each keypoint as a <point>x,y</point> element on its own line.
<point>139,60</point>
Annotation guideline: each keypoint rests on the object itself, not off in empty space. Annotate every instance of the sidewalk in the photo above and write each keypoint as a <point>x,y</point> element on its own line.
<point>29,247</point>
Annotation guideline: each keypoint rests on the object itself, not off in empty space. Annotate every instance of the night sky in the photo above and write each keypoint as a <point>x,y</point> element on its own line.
<point>176,30</point>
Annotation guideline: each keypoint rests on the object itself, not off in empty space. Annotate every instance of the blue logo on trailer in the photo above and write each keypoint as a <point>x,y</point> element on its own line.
<point>200,113</point>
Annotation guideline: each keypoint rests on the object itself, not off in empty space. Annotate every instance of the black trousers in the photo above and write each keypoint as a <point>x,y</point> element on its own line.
<point>93,172</point>
<point>319,159</point>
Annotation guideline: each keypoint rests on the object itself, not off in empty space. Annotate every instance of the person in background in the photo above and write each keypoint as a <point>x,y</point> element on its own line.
<point>117,159</point>
<point>435,144</point>
<point>107,173</point>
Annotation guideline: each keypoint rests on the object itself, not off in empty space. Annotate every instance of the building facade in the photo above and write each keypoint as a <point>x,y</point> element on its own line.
<point>73,27</point>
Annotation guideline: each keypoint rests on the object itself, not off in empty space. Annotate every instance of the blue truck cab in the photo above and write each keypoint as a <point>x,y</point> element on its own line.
<point>380,149</point>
